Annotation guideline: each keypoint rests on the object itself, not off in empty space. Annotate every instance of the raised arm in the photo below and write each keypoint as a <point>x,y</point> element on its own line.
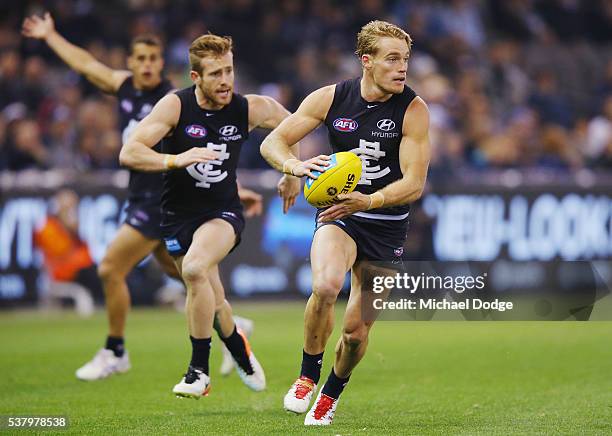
<point>276,147</point>
<point>137,152</point>
<point>80,60</point>
<point>414,155</point>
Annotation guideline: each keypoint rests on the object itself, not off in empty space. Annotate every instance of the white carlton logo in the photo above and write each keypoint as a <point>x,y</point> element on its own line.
<point>369,152</point>
<point>205,173</point>
<point>386,125</point>
<point>228,130</point>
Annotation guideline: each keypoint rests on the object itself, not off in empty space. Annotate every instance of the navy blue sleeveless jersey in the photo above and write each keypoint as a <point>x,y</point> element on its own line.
<point>211,186</point>
<point>373,131</point>
<point>134,105</point>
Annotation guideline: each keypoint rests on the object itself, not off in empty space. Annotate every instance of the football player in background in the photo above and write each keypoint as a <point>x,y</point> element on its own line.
<point>202,129</point>
<point>137,89</point>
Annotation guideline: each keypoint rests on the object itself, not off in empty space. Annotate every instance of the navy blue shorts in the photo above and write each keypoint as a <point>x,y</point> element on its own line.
<point>145,216</point>
<point>377,240</point>
<point>178,233</point>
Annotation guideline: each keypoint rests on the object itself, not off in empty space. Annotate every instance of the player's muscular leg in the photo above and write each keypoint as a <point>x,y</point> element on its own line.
<point>332,254</point>
<point>353,342</point>
<point>166,262</point>
<point>211,243</point>
<point>125,251</point>
<point>224,322</point>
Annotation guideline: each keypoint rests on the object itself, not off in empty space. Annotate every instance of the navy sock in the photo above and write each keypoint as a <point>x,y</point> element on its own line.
<point>235,344</point>
<point>200,352</point>
<point>311,366</point>
<point>116,344</point>
<point>334,385</point>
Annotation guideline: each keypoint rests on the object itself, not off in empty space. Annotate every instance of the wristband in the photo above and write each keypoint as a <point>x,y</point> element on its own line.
<point>377,200</point>
<point>170,162</point>
<point>289,165</point>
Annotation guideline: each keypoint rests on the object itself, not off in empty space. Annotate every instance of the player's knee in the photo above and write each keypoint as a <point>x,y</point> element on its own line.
<point>108,271</point>
<point>327,286</point>
<point>353,337</point>
<point>220,307</point>
<point>194,272</point>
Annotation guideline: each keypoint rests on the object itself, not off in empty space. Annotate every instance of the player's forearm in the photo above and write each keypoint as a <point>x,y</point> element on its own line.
<point>295,150</point>
<point>76,57</point>
<point>276,151</point>
<point>403,191</point>
<point>137,156</point>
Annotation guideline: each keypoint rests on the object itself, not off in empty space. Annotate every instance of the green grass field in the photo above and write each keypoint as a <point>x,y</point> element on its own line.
<point>417,378</point>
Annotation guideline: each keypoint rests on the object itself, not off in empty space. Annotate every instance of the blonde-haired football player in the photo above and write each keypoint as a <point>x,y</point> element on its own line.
<point>382,120</point>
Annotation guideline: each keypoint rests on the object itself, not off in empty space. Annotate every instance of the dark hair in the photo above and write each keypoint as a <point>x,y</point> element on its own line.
<point>147,39</point>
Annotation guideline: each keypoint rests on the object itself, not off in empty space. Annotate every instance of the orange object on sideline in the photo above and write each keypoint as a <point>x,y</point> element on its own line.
<point>64,252</point>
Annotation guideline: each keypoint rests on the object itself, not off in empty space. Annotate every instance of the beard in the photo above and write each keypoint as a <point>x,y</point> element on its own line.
<point>212,96</point>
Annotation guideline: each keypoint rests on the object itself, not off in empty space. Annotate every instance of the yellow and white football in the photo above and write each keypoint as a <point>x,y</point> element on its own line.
<point>340,177</point>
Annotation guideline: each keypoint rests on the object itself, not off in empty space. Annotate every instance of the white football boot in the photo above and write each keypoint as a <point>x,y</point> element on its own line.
<point>257,380</point>
<point>194,384</point>
<point>298,398</point>
<point>322,411</point>
<point>227,364</point>
<point>104,364</point>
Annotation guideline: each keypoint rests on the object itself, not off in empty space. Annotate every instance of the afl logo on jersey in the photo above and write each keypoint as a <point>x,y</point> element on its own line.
<point>195,131</point>
<point>345,125</point>
<point>386,125</point>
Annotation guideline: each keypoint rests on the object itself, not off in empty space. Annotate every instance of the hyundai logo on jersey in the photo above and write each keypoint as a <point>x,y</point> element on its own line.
<point>386,124</point>
<point>228,130</point>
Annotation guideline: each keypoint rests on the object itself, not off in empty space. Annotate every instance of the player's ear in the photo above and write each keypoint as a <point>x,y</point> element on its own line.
<point>366,61</point>
<point>195,77</point>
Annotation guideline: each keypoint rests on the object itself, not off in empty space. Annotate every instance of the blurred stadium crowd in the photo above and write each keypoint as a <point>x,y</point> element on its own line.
<point>510,84</point>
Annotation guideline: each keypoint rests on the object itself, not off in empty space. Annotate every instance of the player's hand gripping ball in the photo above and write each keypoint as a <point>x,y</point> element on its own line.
<point>340,177</point>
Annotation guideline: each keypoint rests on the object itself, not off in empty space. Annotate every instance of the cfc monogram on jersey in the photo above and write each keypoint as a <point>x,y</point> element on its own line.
<point>371,130</point>
<point>211,185</point>
<point>210,172</point>
<point>134,105</point>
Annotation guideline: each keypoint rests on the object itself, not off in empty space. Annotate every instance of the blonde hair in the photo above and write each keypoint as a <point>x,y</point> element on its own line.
<point>208,45</point>
<point>368,36</point>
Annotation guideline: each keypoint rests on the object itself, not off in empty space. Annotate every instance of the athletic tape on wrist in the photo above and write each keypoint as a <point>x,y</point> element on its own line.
<point>170,161</point>
<point>377,200</point>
